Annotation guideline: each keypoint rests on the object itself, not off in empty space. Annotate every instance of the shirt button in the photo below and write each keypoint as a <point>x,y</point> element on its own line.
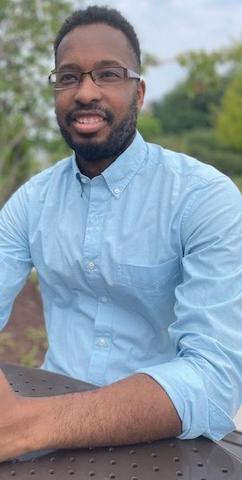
<point>104,299</point>
<point>101,342</point>
<point>91,266</point>
<point>117,191</point>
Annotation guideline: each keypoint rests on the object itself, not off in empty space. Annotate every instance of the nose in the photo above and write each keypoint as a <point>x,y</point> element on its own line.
<point>87,91</point>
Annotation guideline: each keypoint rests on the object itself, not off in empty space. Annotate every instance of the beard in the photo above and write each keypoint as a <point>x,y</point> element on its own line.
<point>117,141</point>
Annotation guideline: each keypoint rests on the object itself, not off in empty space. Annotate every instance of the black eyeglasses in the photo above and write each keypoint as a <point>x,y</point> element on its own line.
<point>102,77</point>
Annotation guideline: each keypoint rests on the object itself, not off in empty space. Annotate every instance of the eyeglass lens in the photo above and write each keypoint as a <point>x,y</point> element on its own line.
<point>100,76</point>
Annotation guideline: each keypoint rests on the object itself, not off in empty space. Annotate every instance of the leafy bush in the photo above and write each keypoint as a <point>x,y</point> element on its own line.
<point>149,127</point>
<point>183,110</point>
<point>204,145</point>
<point>229,119</point>
<point>238,181</point>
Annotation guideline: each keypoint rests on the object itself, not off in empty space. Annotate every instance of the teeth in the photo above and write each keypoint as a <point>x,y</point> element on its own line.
<point>89,120</point>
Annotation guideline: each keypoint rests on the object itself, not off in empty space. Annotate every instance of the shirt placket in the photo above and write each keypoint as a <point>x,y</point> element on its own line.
<point>99,195</point>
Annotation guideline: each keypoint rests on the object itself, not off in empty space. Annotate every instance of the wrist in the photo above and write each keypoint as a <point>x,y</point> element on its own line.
<point>38,417</point>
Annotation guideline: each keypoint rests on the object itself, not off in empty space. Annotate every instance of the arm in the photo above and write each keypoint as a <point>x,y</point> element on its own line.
<point>132,410</point>
<point>204,379</point>
<point>15,259</point>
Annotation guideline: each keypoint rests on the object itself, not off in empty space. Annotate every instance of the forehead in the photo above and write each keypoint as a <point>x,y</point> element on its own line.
<point>90,44</point>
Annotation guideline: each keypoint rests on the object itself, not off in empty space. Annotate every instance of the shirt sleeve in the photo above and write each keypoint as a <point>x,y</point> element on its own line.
<point>15,260</point>
<point>204,380</point>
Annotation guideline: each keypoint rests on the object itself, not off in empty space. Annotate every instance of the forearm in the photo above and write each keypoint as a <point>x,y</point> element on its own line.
<point>133,410</point>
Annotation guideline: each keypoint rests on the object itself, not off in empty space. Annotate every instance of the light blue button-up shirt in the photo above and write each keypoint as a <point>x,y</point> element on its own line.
<point>140,270</point>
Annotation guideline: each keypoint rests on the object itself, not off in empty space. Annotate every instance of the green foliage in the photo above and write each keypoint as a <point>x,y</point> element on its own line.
<point>204,145</point>
<point>238,181</point>
<point>202,71</point>
<point>36,339</point>
<point>229,120</point>
<point>149,60</point>
<point>6,342</point>
<point>28,350</point>
<point>149,127</point>
<point>179,111</point>
<point>202,116</point>
<point>204,68</point>
<point>27,30</point>
<point>195,102</point>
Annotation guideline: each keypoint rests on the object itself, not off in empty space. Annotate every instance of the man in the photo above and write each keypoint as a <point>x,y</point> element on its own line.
<point>138,253</point>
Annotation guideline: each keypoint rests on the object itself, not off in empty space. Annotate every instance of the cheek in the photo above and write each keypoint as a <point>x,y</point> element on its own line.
<point>58,106</point>
<point>122,105</point>
<point>62,102</point>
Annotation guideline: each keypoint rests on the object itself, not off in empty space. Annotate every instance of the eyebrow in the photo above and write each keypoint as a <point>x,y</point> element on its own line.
<point>102,63</point>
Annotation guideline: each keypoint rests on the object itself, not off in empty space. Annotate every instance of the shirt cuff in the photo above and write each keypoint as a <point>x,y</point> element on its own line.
<point>184,386</point>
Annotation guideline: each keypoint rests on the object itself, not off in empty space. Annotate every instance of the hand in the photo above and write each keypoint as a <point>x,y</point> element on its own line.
<point>13,428</point>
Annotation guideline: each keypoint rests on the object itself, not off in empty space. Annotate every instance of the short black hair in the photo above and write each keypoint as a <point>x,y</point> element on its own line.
<point>106,15</point>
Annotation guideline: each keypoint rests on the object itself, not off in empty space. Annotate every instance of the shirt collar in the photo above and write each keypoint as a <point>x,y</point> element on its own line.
<point>122,170</point>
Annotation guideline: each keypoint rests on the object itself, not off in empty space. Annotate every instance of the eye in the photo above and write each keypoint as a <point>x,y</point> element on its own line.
<point>67,78</point>
<point>109,74</point>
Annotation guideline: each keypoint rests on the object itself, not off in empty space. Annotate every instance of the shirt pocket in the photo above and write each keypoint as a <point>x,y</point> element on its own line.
<point>152,279</point>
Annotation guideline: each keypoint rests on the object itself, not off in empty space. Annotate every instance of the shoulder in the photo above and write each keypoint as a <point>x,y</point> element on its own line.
<point>181,165</point>
<point>186,181</point>
<point>186,172</point>
<point>61,168</point>
<point>35,190</point>
<point>38,185</point>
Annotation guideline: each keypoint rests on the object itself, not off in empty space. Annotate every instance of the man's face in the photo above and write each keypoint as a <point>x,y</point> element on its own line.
<point>97,122</point>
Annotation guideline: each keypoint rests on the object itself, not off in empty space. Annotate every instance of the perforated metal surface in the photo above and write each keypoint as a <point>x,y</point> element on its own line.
<point>233,443</point>
<point>175,459</point>
<point>32,382</point>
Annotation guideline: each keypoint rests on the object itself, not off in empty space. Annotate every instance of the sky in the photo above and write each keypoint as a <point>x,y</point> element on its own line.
<point>168,27</point>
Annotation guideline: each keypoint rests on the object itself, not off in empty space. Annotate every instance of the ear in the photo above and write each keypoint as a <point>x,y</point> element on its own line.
<point>140,94</point>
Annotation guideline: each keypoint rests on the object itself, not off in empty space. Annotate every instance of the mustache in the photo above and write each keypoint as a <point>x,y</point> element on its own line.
<point>92,108</point>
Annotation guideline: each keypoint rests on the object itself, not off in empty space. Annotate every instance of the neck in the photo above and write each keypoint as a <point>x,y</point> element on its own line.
<point>93,169</point>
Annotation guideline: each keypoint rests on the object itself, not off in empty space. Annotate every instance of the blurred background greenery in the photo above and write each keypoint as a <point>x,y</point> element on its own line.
<point>29,139</point>
<point>202,116</point>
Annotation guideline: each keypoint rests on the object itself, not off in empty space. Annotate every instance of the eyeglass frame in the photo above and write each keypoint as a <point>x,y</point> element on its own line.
<point>128,74</point>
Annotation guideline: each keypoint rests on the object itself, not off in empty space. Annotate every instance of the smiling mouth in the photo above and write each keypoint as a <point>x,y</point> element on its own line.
<point>89,119</point>
<point>89,123</point>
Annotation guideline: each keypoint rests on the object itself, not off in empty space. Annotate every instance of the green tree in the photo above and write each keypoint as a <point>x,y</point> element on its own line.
<point>149,127</point>
<point>202,71</point>
<point>206,69</point>
<point>27,30</point>
<point>229,120</point>
<point>180,110</point>
<point>202,116</point>
<point>149,60</point>
<point>195,102</point>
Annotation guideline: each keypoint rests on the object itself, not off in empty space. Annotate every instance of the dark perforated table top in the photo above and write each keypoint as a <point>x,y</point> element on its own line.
<point>172,459</point>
